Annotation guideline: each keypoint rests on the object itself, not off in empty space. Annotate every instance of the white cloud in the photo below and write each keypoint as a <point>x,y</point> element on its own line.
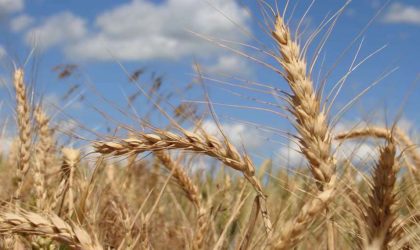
<point>6,144</point>
<point>142,30</point>
<point>357,151</point>
<point>239,134</point>
<point>10,6</point>
<point>229,64</point>
<point>364,150</point>
<point>353,150</point>
<point>21,22</point>
<point>290,155</point>
<point>62,28</point>
<point>399,13</point>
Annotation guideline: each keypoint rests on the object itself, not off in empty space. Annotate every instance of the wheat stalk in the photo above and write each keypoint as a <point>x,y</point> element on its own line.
<point>204,144</point>
<point>371,131</point>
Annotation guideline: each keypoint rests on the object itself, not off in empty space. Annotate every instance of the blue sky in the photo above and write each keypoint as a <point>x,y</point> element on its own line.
<point>99,35</point>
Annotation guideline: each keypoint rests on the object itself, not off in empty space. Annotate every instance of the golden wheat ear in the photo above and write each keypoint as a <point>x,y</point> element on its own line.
<point>381,210</point>
<point>24,127</point>
<point>204,143</point>
<point>46,225</point>
<point>43,148</point>
<point>315,139</point>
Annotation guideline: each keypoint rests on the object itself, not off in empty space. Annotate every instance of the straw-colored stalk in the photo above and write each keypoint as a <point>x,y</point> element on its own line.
<point>201,230</point>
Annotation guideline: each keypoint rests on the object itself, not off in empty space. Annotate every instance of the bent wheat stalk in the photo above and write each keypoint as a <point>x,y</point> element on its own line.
<point>204,144</point>
<point>399,135</point>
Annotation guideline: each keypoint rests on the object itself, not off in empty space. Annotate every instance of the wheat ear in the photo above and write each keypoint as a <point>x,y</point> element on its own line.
<point>305,105</point>
<point>42,149</point>
<point>191,190</point>
<point>381,213</point>
<point>23,120</point>
<point>182,178</point>
<point>310,117</point>
<point>71,158</point>
<point>48,225</point>
<point>204,144</point>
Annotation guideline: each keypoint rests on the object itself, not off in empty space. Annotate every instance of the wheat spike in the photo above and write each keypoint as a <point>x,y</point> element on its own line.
<point>310,118</point>
<point>48,225</point>
<point>23,120</point>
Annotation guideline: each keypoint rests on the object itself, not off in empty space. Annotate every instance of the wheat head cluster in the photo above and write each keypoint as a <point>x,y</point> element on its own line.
<point>140,191</point>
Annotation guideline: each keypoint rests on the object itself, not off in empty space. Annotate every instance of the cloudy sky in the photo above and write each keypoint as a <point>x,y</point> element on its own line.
<point>108,40</point>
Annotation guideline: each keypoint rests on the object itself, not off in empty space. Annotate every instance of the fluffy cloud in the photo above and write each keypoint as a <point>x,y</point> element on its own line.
<point>239,134</point>
<point>353,150</point>
<point>229,64</point>
<point>62,28</point>
<point>142,29</point>
<point>10,6</point>
<point>21,22</point>
<point>290,155</point>
<point>399,13</point>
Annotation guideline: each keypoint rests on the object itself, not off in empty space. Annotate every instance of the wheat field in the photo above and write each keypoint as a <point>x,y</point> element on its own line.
<point>137,187</point>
